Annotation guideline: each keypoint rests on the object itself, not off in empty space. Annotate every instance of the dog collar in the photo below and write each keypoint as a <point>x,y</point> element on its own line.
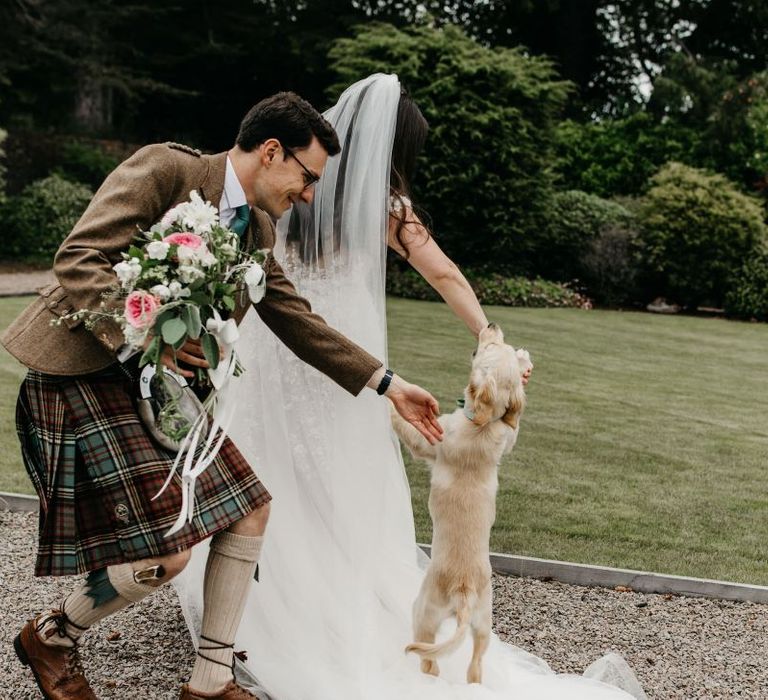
<point>468,412</point>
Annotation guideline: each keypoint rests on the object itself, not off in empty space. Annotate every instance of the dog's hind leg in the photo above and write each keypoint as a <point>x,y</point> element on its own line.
<point>481,635</point>
<point>427,618</point>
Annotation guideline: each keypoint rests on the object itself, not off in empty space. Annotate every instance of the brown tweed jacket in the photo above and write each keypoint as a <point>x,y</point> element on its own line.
<point>134,197</point>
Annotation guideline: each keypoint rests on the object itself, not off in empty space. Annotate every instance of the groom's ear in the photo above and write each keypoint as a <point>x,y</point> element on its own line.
<point>268,151</point>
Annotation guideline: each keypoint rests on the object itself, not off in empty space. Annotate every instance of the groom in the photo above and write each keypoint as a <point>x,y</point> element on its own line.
<point>93,464</point>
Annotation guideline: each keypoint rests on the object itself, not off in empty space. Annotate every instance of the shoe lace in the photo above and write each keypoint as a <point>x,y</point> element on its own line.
<point>214,645</point>
<point>74,663</point>
<point>60,619</point>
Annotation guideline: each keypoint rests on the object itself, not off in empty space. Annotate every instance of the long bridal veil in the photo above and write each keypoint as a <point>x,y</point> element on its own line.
<point>330,614</point>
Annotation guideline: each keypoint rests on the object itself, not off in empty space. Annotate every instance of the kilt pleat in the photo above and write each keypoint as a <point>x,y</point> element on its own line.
<point>96,470</point>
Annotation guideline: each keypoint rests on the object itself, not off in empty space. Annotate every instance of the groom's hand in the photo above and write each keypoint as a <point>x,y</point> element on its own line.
<point>191,353</point>
<point>417,406</point>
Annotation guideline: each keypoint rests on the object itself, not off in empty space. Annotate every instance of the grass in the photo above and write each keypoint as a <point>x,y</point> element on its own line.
<point>13,477</point>
<point>644,445</point>
<point>645,441</point>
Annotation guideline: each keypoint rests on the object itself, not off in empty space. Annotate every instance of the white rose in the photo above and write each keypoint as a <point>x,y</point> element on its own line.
<point>186,255</point>
<point>207,258</point>
<point>198,215</point>
<point>257,282</point>
<point>127,272</point>
<point>134,336</point>
<point>177,291</point>
<point>189,274</point>
<point>157,250</point>
<point>169,218</point>
<point>162,292</point>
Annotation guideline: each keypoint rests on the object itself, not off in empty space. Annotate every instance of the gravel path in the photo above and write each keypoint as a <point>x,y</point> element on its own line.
<point>27,282</point>
<point>681,648</point>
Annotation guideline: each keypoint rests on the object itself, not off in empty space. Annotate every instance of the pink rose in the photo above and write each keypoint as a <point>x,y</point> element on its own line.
<point>191,240</point>
<point>140,309</point>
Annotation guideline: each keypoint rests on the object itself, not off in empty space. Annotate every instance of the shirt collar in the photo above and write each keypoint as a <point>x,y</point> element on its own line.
<point>234,194</point>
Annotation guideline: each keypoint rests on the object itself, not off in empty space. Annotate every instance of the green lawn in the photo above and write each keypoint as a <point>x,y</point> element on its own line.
<point>13,477</point>
<point>645,442</point>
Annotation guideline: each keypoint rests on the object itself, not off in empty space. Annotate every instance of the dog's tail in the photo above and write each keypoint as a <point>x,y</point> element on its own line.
<point>464,604</point>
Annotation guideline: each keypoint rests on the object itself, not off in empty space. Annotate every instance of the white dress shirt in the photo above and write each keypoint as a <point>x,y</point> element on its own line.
<point>232,197</point>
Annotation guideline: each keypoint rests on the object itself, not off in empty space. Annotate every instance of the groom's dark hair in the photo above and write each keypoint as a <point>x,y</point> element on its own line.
<point>289,119</point>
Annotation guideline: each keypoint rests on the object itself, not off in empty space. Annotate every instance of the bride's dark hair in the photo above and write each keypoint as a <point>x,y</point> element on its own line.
<point>410,135</point>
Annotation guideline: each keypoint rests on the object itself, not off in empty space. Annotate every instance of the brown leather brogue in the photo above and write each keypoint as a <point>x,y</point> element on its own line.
<point>57,670</point>
<point>231,691</point>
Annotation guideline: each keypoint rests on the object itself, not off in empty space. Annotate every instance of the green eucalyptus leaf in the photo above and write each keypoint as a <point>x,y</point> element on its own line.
<point>173,330</point>
<point>151,353</point>
<point>191,316</point>
<point>162,317</point>
<point>210,349</point>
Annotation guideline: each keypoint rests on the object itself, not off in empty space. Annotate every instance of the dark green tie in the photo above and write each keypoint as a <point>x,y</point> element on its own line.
<point>240,222</point>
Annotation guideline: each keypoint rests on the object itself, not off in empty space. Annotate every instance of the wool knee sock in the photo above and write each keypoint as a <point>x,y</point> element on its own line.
<point>228,576</point>
<point>105,591</point>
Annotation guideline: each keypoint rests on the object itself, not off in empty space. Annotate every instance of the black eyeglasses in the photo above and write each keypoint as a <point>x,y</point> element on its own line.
<point>309,177</point>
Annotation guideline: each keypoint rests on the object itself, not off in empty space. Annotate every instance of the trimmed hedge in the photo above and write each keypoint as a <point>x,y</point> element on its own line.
<point>493,289</point>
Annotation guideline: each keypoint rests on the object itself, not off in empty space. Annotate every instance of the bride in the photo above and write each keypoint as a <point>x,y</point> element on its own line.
<point>330,614</point>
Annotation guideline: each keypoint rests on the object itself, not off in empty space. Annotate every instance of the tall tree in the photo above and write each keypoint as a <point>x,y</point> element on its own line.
<point>564,30</point>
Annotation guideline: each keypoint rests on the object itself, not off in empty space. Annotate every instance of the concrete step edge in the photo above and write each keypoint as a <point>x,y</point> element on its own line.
<point>563,571</point>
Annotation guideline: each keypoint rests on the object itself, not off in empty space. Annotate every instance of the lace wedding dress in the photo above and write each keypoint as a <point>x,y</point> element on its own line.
<point>330,614</point>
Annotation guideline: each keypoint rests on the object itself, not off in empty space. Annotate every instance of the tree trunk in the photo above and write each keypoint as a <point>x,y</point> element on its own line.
<point>93,106</point>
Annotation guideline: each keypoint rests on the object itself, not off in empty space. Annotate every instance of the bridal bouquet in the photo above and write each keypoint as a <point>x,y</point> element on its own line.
<point>177,280</point>
<point>180,280</point>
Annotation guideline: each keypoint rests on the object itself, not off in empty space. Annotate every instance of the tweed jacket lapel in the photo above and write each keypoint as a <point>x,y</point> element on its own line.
<point>212,186</point>
<point>212,190</point>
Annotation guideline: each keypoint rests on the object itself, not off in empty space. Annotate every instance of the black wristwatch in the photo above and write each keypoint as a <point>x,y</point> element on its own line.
<point>386,380</point>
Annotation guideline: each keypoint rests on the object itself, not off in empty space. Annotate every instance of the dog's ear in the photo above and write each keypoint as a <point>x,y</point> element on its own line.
<point>515,406</point>
<point>482,391</point>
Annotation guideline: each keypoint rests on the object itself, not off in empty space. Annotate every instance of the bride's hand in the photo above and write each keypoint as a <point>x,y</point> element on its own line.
<point>417,406</point>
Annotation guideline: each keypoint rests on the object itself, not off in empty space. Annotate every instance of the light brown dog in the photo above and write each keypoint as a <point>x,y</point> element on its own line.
<point>462,501</point>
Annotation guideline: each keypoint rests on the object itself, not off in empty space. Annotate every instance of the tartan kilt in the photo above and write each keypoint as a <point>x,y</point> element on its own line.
<point>95,470</point>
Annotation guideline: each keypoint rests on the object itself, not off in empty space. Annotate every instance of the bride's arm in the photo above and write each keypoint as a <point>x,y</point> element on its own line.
<point>428,259</point>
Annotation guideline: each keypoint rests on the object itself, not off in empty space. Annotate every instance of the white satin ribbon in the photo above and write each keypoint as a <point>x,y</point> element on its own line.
<point>256,280</point>
<point>223,410</point>
<point>226,335</point>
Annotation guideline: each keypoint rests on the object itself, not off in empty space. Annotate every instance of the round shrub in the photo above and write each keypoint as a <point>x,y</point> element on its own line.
<point>748,297</point>
<point>41,216</point>
<point>574,220</point>
<point>697,229</point>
